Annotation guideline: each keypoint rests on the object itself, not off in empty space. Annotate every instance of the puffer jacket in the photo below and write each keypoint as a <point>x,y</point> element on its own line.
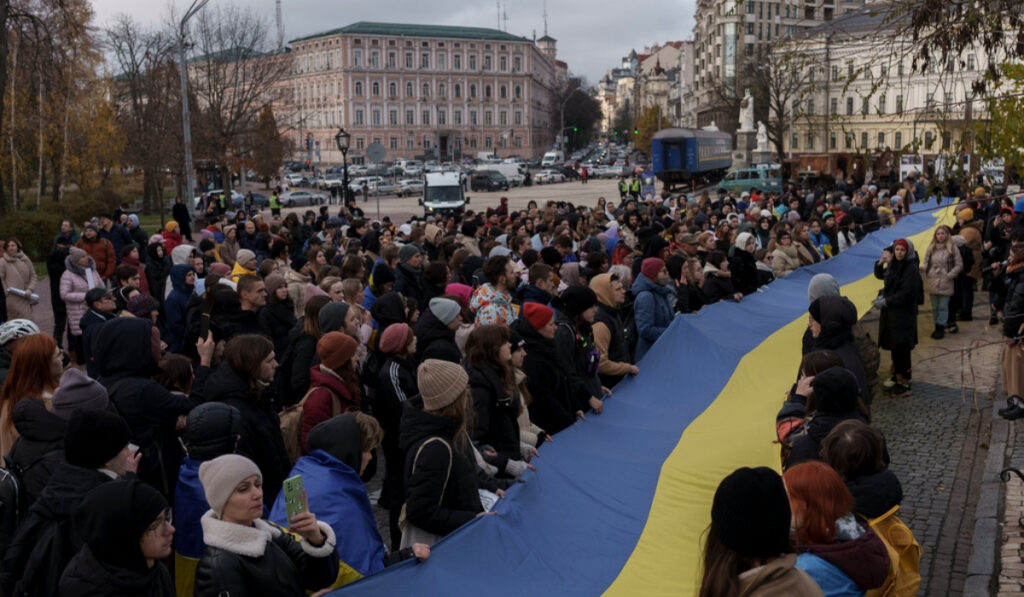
<point>434,340</point>
<point>175,306</point>
<point>857,554</point>
<point>553,407</point>
<point>431,503</point>
<point>102,252</point>
<point>492,306</point>
<point>262,560</point>
<point>941,267</point>
<point>744,271</point>
<point>496,411</point>
<point>609,334</point>
<point>297,290</point>
<point>327,389</point>
<point>74,283</point>
<point>39,449</point>
<point>261,440</point>
<point>578,357</point>
<point>652,310</point>
<point>409,281</point>
<point>86,576</point>
<point>786,260</point>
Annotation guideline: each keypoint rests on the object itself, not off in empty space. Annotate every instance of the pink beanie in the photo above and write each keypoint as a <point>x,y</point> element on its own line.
<point>460,290</point>
<point>651,267</point>
<point>395,338</point>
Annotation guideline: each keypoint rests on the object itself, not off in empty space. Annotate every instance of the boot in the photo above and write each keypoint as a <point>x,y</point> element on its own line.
<point>939,332</point>
<point>951,328</point>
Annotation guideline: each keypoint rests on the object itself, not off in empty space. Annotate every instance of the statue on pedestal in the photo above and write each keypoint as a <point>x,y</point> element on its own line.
<point>747,112</point>
<point>762,137</point>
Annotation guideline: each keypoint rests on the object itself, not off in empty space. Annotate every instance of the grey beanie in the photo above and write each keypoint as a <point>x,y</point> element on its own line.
<point>407,252</point>
<point>332,317</point>
<point>222,475</point>
<point>443,309</point>
<point>78,391</point>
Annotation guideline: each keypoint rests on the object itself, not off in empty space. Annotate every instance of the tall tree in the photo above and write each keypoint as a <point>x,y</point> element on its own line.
<point>651,120</point>
<point>582,112</point>
<point>780,79</point>
<point>268,148</point>
<point>235,74</point>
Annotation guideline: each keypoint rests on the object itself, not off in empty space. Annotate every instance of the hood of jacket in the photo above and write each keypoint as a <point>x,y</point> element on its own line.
<point>112,520</point>
<point>838,316</point>
<point>528,293</point>
<point>875,494</point>
<point>124,346</point>
<point>418,424</point>
<point>429,329</point>
<point>224,383</point>
<point>322,376</point>
<point>151,255</point>
<point>820,285</point>
<point>642,283</point>
<point>601,284</point>
<point>179,255</point>
<point>388,309</point>
<point>65,490</point>
<point>340,437</point>
<point>293,277</point>
<point>178,275</point>
<point>34,422</point>
<point>857,551</point>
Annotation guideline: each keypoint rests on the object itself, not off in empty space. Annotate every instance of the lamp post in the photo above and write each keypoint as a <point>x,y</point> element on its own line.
<point>341,139</point>
<point>197,5</point>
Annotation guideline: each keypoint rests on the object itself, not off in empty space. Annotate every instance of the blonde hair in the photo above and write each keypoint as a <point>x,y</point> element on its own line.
<point>370,431</point>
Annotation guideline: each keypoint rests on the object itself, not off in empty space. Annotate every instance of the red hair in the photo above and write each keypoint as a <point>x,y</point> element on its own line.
<point>30,374</point>
<point>818,497</point>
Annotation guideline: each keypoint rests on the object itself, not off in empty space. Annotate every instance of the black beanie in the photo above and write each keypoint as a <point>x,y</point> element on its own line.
<point>382,275</point>
<point>577,299</point>
<point>835,391</point>
<point>212,430</point>
<point>815,310</point>
<point>94,437</point>
<point>550,256</point>
<point>750,513</point>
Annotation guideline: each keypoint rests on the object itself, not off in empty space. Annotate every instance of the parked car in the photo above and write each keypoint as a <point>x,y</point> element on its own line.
<point>488,180</point>
<point>410,186</point>
<point>302,198</point>
<point>768,180</point>
<point>382,187</point>
<point>548,177</point>
<point>356,184</point>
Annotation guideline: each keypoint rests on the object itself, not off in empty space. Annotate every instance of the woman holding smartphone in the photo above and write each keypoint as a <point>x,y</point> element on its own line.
<point>246,555</point>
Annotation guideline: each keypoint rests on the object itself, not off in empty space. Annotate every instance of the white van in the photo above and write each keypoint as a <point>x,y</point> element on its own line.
<point>553,158</point>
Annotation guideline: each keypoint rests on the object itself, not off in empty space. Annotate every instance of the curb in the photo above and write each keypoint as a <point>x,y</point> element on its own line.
<point>982,570</point>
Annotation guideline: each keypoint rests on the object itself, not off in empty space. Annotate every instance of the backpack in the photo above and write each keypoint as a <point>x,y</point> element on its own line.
<point>904,554</point>
<point>291,423</point>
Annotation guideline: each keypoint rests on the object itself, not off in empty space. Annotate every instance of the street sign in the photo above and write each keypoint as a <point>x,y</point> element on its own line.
<point>376,153</point>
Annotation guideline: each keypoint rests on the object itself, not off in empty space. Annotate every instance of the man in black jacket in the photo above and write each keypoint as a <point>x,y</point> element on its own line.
<point>409,275</point>
<point>54,270</point>
<point>101,304</point>
<point>435,331</point>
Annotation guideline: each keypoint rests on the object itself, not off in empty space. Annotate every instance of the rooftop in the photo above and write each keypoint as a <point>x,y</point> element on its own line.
<point>409,30</point>
<point>873,18</point>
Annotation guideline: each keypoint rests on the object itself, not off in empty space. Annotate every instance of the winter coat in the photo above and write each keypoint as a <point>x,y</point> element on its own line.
<point>808,446</point>
<point>297,290</point>
<point>492,306</point>
<point>652,311</point>
<point>765,274</point>
<point>90,323</point>
<point>942,264</point>
<point>39,449</point>
<point>434,340</point>
<point>338,497</point>
<point>54,271</point>
<point>157,270</point>
<point>46,540</point>
<point>778,577</point>
<point>432,503</point>
<point>786,260</point>
<point>496,411</point>
<point>903,291</point>
<point>189,506</point>
<point>293,372</point>
<point>276,321</point>
<point>856,556</point>
<point>229,251</point>
<point>122,349</point>
<point>174,307</point>
<point>86,576</point>
<point>102,252</point>
<point>577,356</point>
<point>409,281</point>
<point>17,272</point>
<point>261,440</point>
<point>553,407</point>
<point>118,237</point>
<point>807,252</point>
<point>609,334</point>
<point>528,293</point>
<point>971,231</point>
<point>262,560</point>
<point>744,271</point>
<point>1013,306</point>
<point>327,389</point>
<point>717,284</point>
<point>239,270</point>
<point>143,279</point>
<point>875,494</point>
<point>838,316</point>
<point>74,283</point>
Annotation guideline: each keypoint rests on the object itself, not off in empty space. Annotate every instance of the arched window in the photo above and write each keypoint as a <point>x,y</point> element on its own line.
<point>519,92</point>
<point>487,92</point>
<point>375,88</point>
<point>408,89</point>
<point>503,91</point>
<point>392,89</point>
<point>472,90</point>
<point>441,89</point>
<point>458,90</point>
<point>426,90</point>
<point>359,87</point>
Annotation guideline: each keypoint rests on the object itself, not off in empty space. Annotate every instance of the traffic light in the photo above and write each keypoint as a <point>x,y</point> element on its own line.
<point>616,133</point>
<point>636,131</point>
<point>575,129</point>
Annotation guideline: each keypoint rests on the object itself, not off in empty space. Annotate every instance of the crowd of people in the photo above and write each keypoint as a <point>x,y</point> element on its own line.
<point>197,371</point>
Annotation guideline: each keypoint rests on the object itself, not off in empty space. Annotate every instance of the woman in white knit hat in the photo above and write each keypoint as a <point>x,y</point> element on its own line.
<point>246,555</point>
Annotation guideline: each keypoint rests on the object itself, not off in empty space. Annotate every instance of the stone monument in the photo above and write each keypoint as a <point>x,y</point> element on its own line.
<point>746,136</point>
<point>763,154</point>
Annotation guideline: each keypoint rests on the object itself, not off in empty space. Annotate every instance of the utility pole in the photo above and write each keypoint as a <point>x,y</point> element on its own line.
<point>197,5</point>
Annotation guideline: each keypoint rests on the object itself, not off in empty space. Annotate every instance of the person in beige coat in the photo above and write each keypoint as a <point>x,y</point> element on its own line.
<point>785,254</point>
<point>942,264</point>
<point>17,272</point>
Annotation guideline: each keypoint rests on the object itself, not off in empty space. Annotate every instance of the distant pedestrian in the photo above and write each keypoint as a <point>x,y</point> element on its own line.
<point>181,215</point>
<point>19,280</point>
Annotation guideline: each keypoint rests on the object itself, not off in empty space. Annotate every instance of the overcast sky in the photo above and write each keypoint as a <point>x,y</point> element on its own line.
<point>592,36</point>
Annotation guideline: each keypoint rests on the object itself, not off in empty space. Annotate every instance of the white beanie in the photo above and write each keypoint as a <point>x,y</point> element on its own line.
<point>222,475</point>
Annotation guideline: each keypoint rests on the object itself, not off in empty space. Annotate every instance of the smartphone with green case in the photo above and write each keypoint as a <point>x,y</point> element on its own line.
<point>293,491</point>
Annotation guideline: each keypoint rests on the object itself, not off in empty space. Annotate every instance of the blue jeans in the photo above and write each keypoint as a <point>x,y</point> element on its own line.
<point>940,309</point>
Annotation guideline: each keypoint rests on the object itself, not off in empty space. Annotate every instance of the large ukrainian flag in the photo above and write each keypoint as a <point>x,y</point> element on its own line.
<point>619,504</point>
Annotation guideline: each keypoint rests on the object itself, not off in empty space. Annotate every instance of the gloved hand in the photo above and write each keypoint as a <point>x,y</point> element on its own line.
<point>515,467</point>
<point>879,302</point>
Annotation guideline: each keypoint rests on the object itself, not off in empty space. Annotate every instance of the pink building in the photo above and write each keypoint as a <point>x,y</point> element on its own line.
<point>421,91</point>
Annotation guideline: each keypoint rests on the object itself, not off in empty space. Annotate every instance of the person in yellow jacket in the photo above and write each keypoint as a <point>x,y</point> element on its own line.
<point>245,265</point>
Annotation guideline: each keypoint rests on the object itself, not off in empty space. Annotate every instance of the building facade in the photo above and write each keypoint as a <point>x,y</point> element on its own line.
<point>730,35</point>
<point>866,104</point>
<point>421,91</point>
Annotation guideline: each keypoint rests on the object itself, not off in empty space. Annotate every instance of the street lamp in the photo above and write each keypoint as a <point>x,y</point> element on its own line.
<point>341,139</point>
<point>197,5</point>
